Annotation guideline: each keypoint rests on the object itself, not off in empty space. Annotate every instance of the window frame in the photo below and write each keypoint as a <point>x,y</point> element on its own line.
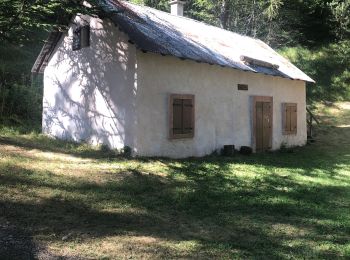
<point>78,36</point>
<point>172,97</point>
<point>284,118</point>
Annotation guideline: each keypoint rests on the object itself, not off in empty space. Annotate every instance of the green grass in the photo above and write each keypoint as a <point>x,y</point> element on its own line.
<point>278,205</point>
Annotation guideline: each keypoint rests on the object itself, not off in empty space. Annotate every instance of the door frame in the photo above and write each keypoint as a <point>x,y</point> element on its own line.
<point>256,99</point>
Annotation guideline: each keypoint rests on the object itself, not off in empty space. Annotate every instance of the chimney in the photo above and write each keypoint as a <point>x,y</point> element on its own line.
<point>177,7</point>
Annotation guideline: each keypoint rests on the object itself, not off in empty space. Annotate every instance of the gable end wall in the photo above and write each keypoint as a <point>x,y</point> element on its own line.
<point>89,93</point>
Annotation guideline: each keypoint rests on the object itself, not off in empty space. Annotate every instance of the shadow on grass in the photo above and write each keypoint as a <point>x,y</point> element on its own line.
<point>27,136</point>
<point>47,144</point>
<point>15,243</point>
<point>213,207</point>
<point>207,200</point>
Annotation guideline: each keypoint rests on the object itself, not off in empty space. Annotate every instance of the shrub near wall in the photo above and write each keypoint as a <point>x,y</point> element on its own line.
<point>20,91</point>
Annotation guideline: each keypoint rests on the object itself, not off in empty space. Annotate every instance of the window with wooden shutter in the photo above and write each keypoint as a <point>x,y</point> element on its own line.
<point>290,113</point>
<point>81,37</point>
<point>181,116</point>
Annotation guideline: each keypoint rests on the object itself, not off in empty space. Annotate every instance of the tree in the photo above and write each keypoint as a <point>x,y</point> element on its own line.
<point>19,18</point>
<point>224,13</point>
<point>341,15</point>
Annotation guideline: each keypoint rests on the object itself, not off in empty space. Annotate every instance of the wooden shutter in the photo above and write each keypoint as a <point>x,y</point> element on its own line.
<point>187,114</point>
<point>290,119</point>
<point>293,119</point>
<point>177,116</point>
<point>181,116</point>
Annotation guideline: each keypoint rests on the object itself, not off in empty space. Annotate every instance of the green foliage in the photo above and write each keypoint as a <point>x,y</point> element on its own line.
<point>341,15</point>
<point>126,151</point>
<point>273,8</point>
<point>341,85</point>
<point>22,101</point>
<point>158,4</point>
<point>20,18</point>
<point>20,92</point>
<point>328,66</point>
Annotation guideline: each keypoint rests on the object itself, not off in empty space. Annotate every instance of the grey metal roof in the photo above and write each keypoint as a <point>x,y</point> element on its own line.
<point>160,32</point>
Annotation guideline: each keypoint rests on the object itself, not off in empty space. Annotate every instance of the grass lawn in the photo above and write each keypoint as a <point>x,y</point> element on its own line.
<point>75,201</point>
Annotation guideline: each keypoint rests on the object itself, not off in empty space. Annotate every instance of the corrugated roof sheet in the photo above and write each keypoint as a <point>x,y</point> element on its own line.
<point>160,32</point>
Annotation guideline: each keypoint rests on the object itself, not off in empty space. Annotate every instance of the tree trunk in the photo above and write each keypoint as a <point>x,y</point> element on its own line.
<point>224,12</point>
<point>2,92</point>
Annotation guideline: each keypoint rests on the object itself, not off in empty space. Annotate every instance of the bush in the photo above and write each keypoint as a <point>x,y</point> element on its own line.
<point>328,66</point>
<point>341,85</point>
<point>126,151</point>
<point>246,150</point>
<point>21,101</point>
<point>20,92</point>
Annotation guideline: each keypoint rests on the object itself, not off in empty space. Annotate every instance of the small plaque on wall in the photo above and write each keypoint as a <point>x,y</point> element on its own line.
<point>242,87</point>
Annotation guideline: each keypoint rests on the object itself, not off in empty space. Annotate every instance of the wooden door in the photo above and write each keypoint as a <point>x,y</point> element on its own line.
<point>263,125</point>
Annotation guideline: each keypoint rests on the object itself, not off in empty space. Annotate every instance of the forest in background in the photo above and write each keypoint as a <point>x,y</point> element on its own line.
<point>313,34</point>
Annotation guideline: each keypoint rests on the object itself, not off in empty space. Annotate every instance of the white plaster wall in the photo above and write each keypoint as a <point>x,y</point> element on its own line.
<point>222,113</point>
<point>89,95</point>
